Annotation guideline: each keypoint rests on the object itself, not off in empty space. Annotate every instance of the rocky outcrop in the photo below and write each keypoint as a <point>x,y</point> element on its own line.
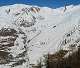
<point>7,39</point>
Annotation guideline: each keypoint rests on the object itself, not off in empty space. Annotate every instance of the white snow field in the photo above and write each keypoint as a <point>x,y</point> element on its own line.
<point>40,30</point>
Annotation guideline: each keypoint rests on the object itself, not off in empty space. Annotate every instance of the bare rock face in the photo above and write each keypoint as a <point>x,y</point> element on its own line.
<point>12,47</point>
<point>7,39</point>
<point>7,32</point>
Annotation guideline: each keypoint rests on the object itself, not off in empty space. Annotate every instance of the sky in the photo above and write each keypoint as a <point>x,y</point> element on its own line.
<point>47,3</point>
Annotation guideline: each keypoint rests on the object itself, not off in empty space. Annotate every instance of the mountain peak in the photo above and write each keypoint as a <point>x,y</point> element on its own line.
<point>35,31</point>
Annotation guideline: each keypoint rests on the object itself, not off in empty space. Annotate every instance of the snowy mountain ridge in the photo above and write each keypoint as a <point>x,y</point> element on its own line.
<point>38,30</point>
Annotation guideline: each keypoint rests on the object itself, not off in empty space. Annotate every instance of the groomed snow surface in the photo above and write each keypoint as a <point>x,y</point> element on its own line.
<point>44,28</point>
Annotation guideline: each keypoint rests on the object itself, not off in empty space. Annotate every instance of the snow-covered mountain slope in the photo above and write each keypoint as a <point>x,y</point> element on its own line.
<point>38,31</point>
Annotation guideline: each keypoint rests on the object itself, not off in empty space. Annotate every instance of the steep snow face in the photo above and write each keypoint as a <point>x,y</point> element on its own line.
<point>39,30</point>
<point>71,41</point>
